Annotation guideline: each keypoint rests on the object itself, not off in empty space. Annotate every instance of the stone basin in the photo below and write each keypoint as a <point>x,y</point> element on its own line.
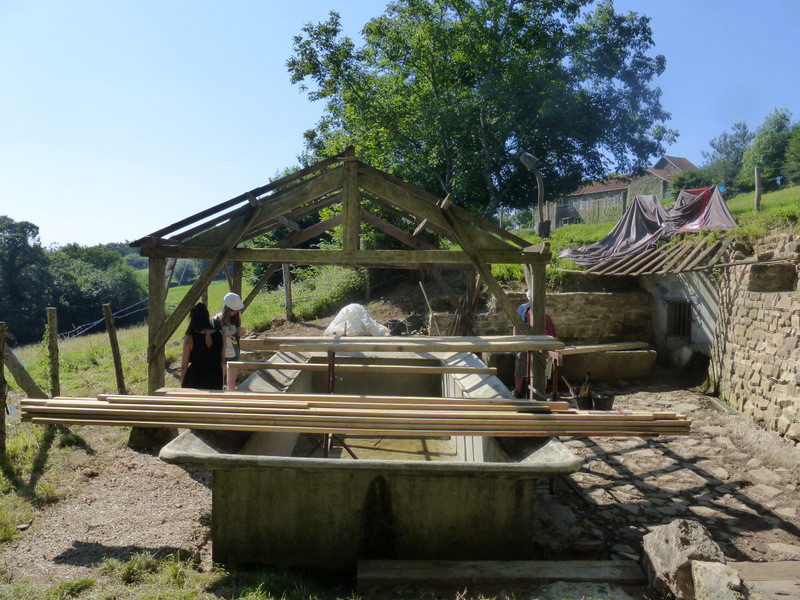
<point>277,501</point>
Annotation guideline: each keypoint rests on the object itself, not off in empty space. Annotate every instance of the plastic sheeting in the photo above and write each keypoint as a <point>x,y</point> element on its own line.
<point>647,221</point>
<point>353,320</point>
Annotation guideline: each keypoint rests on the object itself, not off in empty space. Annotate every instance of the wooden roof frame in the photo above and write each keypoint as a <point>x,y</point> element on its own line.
<point>218,234</point>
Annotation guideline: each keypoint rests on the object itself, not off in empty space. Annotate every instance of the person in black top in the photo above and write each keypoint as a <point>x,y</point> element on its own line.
<point>203,358</point>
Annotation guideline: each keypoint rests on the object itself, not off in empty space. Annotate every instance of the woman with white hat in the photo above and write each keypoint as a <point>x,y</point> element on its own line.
<point>229,322</point>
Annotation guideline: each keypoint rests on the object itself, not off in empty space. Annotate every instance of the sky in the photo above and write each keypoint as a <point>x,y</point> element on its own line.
<point>120,118</point>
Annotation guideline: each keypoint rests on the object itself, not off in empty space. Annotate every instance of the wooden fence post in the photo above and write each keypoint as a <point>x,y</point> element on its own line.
<point>758,188</point>
<point>52,339</point>
<point>2,392</point>
<point>112,338</point>
<point>287,291</point>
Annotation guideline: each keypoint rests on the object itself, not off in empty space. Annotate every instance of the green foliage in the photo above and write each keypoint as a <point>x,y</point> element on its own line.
<point>444,95</point>
<point>326,289</point>
<point>792,159</point>
<point>26,282</point>
<point>690,180</point>
<point>85,278</point>
<point>768,151</point>
<point>134,570</point>
<point>71,589</point>
<point>725,161</point>
<point>76,280</point>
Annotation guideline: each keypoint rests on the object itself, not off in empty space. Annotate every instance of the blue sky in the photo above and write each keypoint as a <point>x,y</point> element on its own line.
<point>119,118</point>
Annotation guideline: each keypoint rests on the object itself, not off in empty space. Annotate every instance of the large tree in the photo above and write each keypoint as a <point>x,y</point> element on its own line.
<point>25,279</point>
<point>446,93</point>
<point>767,151</point>
<point>725,161</point>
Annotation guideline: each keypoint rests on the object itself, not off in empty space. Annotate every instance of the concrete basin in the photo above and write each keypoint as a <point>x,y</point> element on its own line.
<point>277,501</point>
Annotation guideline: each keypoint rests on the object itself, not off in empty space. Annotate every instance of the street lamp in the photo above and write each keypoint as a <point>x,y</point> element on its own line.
<point>532,164</point>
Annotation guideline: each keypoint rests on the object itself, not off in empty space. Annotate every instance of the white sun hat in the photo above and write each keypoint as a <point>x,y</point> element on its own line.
<point>233,301</point>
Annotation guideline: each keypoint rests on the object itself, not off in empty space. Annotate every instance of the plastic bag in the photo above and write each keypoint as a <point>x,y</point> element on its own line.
<point>353,320</point>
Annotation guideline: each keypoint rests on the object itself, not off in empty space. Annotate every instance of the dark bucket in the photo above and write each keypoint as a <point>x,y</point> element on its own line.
<point>603,401</point>
<point>584,402</point>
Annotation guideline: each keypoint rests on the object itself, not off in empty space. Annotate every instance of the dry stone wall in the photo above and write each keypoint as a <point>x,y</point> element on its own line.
<point>579,318</point>
<point>756,355</point>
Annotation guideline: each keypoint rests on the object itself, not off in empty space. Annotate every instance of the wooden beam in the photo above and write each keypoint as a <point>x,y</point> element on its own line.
<point>351,225</point>
<point>364,368</point>
<point>260,285</point>
<point>242,198</point>
<point>399,234</point>
<point>158,339</point>
<point>21,375</point>
<point>282,202</point>
<point>389,259</point>
<point>485,271</point>
<point>285,221</point>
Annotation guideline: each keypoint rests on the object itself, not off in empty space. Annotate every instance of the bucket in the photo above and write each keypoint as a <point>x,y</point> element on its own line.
<point>584,402</point>
<point>602,401</point>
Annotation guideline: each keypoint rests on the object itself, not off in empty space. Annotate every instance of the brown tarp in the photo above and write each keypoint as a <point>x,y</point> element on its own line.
<point>647,221</point>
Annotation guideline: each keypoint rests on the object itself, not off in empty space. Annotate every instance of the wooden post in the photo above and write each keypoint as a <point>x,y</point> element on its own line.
<point>287,291</point>
<point>758,188</point>
<point>112,338</point>
<point>237,277</point>
<point>351,224</point>
<point>367,276</point>
<point>2,392</point>
<point>156,315</point>
<point>154,437</point>
<point>52,339</point>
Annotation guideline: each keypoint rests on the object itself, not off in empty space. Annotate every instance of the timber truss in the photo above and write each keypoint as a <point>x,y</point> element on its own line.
<point>354,191</point>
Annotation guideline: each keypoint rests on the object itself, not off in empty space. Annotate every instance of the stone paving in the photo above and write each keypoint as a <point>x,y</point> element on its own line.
<point>740,482</point>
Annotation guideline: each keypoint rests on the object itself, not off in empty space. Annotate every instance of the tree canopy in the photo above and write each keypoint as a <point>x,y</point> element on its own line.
<point>76,280</point>
<point>446,93</point>
<point>768,150</point>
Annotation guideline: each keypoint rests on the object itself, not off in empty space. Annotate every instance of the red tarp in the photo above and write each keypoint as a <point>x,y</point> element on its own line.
<point>646,222</point>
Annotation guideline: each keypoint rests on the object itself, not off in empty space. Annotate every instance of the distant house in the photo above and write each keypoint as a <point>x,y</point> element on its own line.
<point>602,200</point>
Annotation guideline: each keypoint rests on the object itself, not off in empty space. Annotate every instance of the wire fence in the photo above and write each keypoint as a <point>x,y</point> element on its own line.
<point>88,327</point>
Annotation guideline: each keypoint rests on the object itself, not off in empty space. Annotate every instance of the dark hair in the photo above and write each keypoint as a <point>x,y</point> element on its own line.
<point>228,318</point>
<point>198,319</point>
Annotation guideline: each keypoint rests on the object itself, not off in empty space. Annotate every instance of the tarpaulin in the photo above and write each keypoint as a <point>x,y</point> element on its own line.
<point>646,221</point>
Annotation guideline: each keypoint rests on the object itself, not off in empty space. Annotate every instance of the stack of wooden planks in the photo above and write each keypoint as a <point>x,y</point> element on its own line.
<point>350,415</point>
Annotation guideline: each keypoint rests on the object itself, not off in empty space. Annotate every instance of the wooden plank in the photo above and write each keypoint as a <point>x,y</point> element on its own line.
<point>372,573</point>
<point>514,344</point>
<point>233,396</point>
<point>362,368</point>
<point>366,431</point>
<point>593,348</point>
<point>679,255</point>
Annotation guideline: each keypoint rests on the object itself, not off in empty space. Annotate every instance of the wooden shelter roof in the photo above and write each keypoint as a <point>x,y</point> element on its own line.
<point>355,192</point>
<point>694,253</point>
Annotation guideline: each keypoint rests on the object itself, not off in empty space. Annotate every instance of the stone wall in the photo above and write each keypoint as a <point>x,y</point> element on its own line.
<point>755,360</point>
<point>580,318</point>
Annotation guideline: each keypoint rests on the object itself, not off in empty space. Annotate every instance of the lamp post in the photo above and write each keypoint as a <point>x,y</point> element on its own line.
<point>532,164</point>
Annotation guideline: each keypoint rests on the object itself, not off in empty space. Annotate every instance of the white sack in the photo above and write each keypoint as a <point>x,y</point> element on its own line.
<point>353,320</point>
